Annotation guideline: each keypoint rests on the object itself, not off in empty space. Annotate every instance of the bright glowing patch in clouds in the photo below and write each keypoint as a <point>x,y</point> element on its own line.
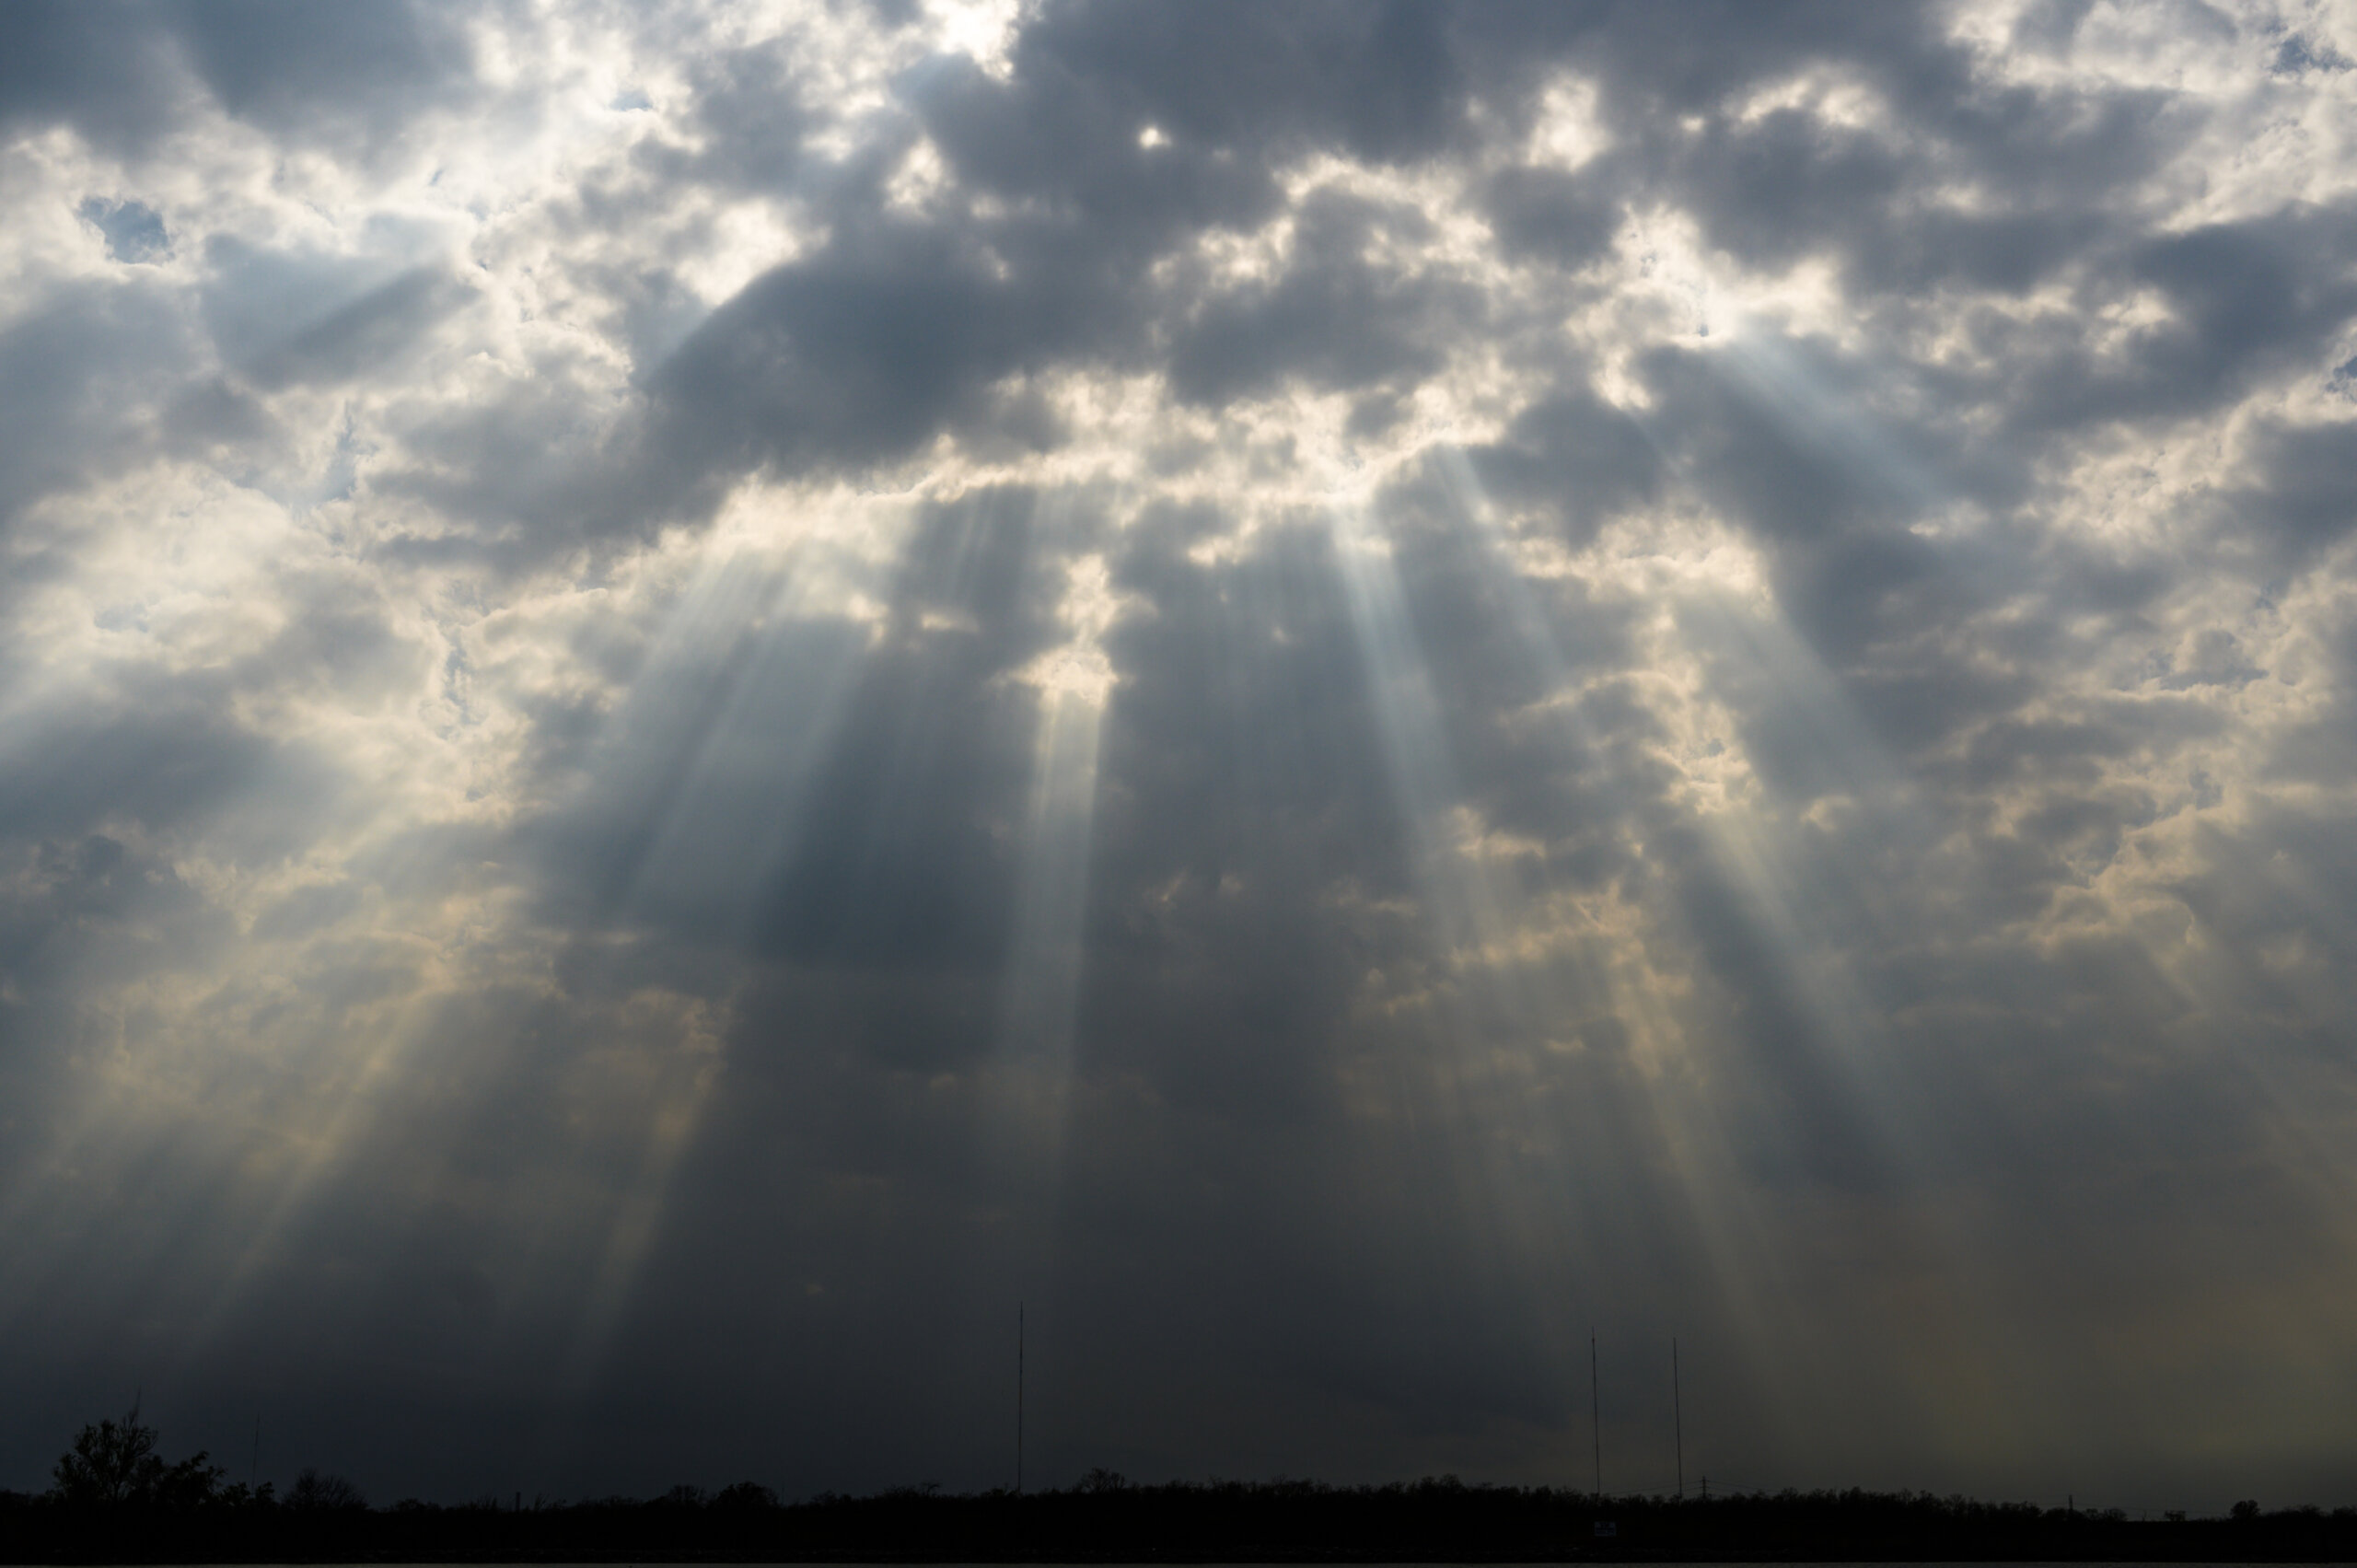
<point>691,692</point>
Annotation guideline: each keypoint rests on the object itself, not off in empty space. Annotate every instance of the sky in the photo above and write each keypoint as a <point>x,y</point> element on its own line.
<point>1341,697</point>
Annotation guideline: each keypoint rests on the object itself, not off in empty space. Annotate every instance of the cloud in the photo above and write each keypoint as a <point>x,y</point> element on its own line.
<point>83,367</point>
<point>125,72</point>
<point>1336,691</point>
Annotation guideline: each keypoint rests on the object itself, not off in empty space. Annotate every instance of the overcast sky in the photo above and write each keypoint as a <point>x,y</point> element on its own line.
<point>690,694</point>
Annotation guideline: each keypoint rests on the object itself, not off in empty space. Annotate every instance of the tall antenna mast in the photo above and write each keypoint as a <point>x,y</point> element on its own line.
<point>1677,1418</point>
<point>1018,1399</point>
<point>253,1469</point>
<point>1595,1416</point>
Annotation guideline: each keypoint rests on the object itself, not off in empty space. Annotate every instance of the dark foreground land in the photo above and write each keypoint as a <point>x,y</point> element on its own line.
<point>1106,1520</point>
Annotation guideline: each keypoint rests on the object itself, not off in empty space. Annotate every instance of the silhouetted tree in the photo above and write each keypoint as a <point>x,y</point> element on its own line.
<point>114,1465</point>
<point>313,1491</point>
<point>745,1495</point>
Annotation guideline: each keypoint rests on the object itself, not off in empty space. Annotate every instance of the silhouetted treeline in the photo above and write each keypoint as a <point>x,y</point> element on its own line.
<point>114,1499</point>
<point>1108,1519</point>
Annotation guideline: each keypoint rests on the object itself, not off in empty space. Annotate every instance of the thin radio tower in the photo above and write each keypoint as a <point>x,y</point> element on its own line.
<point>1018,1399</point>
<point>1677,1418</point>
<point>1595,1416</point>
<point>253,1468</point>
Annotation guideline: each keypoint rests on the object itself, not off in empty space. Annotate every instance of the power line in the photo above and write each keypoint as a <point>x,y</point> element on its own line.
<point>1595,1416</point>
<point>1677,1418</point>
<point>1019,1398</point>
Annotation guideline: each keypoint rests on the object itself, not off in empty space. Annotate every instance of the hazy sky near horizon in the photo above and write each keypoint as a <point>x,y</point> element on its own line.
<point>692,694</point>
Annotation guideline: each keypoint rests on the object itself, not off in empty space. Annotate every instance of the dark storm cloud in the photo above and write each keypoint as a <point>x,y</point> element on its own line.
<point>289,67</point>
<point>103,68</point>
<point>901,326</point>
<point>865,354</point>
<point>1385,81</point>
<point>747,104</point>
<point>2299,500</point>
<point>1787,185</point>
<point>1334,322</point>
<point>146,767</point>
<point>1573,457</point>
<point>123,71</point>
<point>857,357</point>
<point>2324,744</point>
<point>77,376</point>
<point>1547,213</point>
<point>2246,299</point>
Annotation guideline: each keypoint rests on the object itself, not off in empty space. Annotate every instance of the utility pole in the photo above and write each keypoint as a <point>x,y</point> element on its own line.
<point>1018,1399</point>
<point>1677,1418</point>
<point>253,1465</point>
<point>1595,1416</point>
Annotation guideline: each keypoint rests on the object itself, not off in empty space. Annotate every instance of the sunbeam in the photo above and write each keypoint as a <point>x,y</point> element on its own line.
<point>1044,951</point>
